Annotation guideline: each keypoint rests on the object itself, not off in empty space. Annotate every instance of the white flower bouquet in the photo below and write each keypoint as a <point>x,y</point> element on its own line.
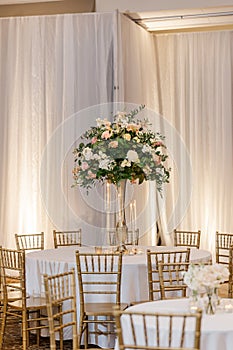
<point>123,149</point>
<point>205,279</point>
<point>208,277</point>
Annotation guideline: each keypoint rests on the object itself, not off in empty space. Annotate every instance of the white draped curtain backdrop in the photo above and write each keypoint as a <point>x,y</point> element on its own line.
<point>50,68</point>
<point>57,74</point>
<point>195,93</point>
<point>187,79</point>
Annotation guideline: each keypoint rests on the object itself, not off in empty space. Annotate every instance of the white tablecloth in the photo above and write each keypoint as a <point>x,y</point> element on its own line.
<point>134,271</point>
<point>216,330</point>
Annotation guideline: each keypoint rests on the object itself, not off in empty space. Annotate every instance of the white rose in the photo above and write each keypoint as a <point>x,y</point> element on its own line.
<point>102,155</point>
<point>125,163</point>
<point>87,153</point>
<point>96,156</point>
<point>146,148</point>
<point>132,156</point>
<point>99,122</point>
<point>127,137</point>
<point>121,117</point>
<point>104,164</point>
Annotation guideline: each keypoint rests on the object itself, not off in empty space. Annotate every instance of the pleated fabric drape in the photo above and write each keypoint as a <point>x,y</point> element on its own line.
<point>196,98</point>
<point>186,79</point>
<point>51,67</point>
<point>59,73</point>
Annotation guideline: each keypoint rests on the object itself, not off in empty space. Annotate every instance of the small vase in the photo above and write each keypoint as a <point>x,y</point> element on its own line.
<point>194,301</point>
<point>211,302</point>
<point>121,227</point>
<point>216,297</point>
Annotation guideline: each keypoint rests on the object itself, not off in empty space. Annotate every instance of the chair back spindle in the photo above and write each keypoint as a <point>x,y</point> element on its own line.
<point>67,238</point>
<point>189,239</point>
<point>158,331</point>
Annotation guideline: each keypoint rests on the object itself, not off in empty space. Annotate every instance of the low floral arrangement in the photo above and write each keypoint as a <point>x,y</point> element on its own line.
<point>123,149</point>
<point>207,277</point>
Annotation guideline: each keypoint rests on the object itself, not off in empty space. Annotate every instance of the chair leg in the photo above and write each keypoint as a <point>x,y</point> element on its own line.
<point>86,336</point>
<point>109,330</point>
<point>61,330</point>
<point>24,331</point>
<point>3,325</point>
<point>81,331</point>
<point>96,329</point>
<point>38,330</point>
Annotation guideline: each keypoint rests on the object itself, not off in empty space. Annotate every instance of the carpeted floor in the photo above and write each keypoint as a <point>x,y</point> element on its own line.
<point>13,341</point>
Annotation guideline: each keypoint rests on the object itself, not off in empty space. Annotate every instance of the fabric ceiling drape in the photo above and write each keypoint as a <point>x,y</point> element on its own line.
<point>50,68</point>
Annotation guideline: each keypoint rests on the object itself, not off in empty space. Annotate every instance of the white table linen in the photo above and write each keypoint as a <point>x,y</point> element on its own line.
<point>134,270</point>
<point>216,330</point>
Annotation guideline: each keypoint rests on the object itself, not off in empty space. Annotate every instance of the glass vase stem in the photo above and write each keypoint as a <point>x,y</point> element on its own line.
<point>210,306</point>
<point>121,227</point>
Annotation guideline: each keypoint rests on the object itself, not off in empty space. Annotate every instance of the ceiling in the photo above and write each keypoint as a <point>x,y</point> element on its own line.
<point>16,2</point>
<point>155,18</point>
<point>183,18</point>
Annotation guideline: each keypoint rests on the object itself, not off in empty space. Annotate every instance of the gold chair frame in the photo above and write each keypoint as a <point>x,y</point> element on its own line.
<point>183,238</point>
<point>132,237</point>
<point>27,242</point>
<point>230,266</point>
<point>139,323</point>
<point>223,243</point>
<point>22,306</point>
<point>99,275</point>
<point>60,289</point>
<point>171,279</point>
<point>153,260</point>
<point>67,238</point>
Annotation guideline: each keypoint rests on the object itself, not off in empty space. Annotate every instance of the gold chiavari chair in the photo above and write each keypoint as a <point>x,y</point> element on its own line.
<point>28,242</point>
<point>189,239</point>
<point>223,243</point>
<point>153,259</point>
<point>171,280</point>
<point>158,331</point>
<point>99,278</point>
<point>60,291</point>
<point>67,238</point>
<point>132,237</point>
<point>24,308</point>
<point>1,295</point>
<point>230,282</point>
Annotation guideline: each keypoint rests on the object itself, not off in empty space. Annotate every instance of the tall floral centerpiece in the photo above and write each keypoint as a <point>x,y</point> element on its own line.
<point>120,150</point>
<point>206,278</point>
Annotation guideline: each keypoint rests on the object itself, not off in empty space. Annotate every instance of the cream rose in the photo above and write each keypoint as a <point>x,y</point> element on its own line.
<point>132,156</point>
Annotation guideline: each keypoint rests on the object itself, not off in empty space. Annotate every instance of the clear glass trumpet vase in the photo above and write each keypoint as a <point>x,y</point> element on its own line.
<point>121,227</point>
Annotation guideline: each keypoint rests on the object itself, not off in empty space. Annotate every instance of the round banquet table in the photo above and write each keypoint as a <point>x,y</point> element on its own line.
<point>216,330</point>
<point>134,282</point>
<point>134,270</point>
